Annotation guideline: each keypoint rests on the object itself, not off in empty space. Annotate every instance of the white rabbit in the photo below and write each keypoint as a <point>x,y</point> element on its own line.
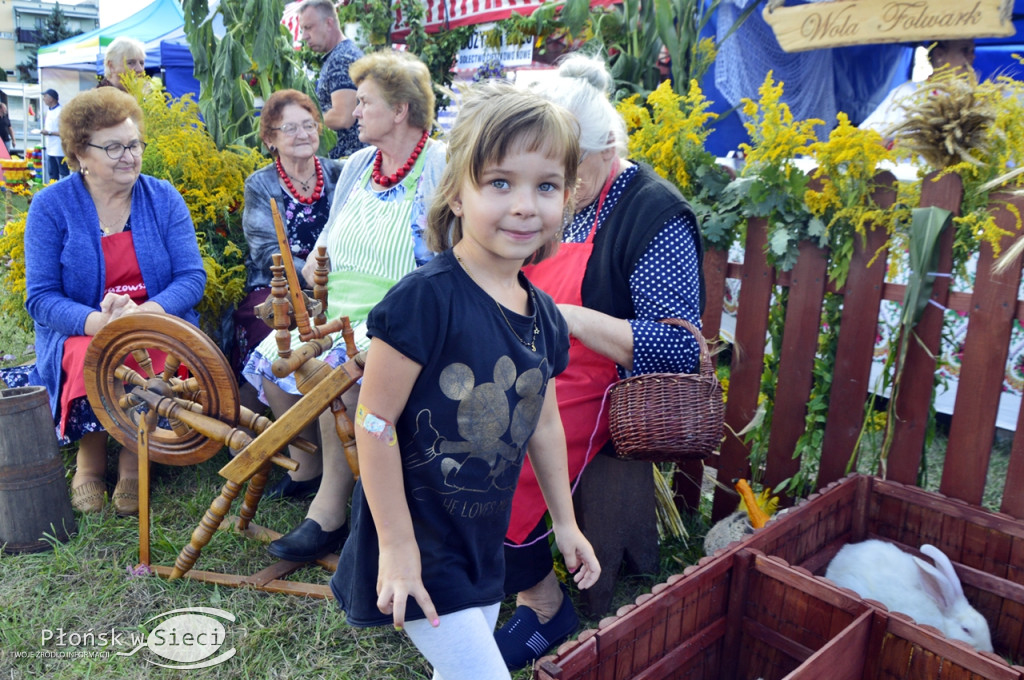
<point>931,595</point>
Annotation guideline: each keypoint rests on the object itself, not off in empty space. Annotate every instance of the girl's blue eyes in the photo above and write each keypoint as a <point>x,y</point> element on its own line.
<point>503,184</point>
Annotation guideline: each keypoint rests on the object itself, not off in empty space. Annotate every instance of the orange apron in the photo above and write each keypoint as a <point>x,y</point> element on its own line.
<point>580,387</point>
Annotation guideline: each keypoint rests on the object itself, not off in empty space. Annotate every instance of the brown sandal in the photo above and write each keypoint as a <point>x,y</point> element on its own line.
<point>88,497</point>
<point>126,497</point>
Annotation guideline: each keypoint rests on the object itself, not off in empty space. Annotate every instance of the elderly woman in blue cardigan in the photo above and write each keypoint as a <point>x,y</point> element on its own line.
<point>105,243</point>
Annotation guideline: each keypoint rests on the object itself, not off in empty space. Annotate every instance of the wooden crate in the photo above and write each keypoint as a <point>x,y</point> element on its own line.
<point>740,615</point>
<point>888,646</point>
<point>986,548</point>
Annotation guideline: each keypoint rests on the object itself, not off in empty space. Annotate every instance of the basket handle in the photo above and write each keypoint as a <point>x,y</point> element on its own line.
<point>705,353</point>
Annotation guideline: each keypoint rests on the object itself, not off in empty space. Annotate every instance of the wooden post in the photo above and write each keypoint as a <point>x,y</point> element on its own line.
<point>862,297</point>
<point>747,362</point>
<point>796,362</point>
<point>982,370</point>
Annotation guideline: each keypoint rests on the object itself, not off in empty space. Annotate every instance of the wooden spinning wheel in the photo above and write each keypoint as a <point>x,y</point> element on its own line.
<point>164,390</point>
<point>209,390</point>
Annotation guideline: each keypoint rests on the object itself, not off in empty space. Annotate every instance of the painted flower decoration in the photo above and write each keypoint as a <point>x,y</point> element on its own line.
<point>491,68</point>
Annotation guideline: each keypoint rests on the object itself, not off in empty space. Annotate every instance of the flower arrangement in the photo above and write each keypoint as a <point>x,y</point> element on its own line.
<point>12,272</point>
<point>847,164</point>
<point>669,134</point>
<point>491,68</point>
<point>770,185</point>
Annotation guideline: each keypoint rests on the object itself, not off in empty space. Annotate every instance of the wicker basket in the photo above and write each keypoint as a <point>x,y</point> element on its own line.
<point>667,417</point>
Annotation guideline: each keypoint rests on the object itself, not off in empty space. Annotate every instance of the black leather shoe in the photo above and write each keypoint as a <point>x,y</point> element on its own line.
<point>308,542</point>
<point>286,487</point>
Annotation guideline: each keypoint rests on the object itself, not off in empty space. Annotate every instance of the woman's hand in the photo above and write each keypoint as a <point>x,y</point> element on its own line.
<point>309,269</point>
<point>579,556</point>
<point>112,306</point>
<point>398,577</point>
<point>116,306</point>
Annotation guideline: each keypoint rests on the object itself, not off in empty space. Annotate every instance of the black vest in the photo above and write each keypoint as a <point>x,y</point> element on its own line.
<point>648,202</point>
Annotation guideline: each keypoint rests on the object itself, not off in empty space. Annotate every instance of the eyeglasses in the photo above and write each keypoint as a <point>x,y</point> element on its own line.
<point>115,150</point>
<point>291,129</point>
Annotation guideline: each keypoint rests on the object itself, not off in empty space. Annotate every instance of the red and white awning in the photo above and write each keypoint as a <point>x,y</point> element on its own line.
<point>453,13</point>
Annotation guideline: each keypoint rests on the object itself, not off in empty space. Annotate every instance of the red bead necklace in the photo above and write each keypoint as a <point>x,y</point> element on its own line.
<point>396,177</point>
<point>317,190</point>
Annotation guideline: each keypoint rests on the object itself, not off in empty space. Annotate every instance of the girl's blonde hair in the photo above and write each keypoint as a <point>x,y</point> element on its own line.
<point>496,119</point>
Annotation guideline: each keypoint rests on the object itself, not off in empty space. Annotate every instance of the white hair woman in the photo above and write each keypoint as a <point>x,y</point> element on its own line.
<point>630,256</point>
<point>123,55</point>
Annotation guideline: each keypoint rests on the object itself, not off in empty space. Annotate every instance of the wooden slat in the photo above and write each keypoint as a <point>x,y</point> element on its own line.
<point>913,405</point>
<point>982,369</point>
<point>234,581</point>
<point>843,657</point>
<point>716,263</point>
<point>738,588</point>
<point>747,363</point>
<point>796,362</point>
<point>679,655</point>
<point>690,474</point>
<point>855,347</point>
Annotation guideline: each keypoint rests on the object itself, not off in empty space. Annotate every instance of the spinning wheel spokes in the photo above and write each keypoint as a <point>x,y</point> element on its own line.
<point>210,389</point>
<point>171,365</point>
<point>143,359</point>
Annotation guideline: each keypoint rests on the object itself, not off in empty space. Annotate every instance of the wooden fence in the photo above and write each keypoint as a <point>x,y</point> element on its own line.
<point>992,307</point>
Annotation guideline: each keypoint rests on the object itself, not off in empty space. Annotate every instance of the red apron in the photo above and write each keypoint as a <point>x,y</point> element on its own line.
<point>123,277</point>
<point>581,386</point>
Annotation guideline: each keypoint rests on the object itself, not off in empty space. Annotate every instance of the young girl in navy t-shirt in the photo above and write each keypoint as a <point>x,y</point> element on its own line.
<point>457,386</point>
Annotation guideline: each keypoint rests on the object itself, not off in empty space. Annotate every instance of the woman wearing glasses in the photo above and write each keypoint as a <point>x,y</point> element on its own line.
<point>374,236</point>
<point>106,242</point>
<point>302,184</point>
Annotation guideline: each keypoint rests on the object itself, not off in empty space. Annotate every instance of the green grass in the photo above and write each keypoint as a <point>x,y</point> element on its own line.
<point>933,459</point>
<point>84,586</point>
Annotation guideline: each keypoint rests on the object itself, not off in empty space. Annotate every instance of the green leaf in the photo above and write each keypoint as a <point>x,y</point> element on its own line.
<point>779,242</point>
<point>926,225</point>
<point>816,226</point>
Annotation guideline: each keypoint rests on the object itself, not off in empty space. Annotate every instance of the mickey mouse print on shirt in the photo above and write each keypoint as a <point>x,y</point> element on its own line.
<point>493,433</point>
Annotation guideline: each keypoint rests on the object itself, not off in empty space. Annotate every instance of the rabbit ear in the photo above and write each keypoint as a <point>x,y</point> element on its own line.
<point>944,566</point>
<point>935,585</point>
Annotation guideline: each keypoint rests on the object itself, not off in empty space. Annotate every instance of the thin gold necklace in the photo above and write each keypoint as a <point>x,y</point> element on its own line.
<point>532,345</point>
<point>107,229</point>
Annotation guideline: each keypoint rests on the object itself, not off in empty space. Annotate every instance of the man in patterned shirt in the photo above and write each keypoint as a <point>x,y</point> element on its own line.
<point>318,22</point>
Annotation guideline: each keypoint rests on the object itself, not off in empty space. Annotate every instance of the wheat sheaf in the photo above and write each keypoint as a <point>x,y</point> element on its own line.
<point>947,122</point>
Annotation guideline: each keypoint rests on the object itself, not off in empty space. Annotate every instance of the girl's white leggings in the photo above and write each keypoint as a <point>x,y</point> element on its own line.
<point>463,646</point>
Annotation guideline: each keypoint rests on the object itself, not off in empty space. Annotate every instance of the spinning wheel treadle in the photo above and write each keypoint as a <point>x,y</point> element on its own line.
<point>210,389</point>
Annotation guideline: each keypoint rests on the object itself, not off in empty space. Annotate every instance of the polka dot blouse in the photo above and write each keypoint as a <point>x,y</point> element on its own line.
<point>664,285</point>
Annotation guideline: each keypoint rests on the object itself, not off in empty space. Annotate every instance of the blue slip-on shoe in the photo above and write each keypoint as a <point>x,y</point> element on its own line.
<point>524,638</point>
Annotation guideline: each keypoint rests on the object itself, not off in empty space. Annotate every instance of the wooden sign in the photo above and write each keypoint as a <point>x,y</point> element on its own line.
<point>865,22</point>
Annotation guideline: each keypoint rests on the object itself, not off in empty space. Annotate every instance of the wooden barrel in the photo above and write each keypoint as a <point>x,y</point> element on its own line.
<point>34,496</point>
